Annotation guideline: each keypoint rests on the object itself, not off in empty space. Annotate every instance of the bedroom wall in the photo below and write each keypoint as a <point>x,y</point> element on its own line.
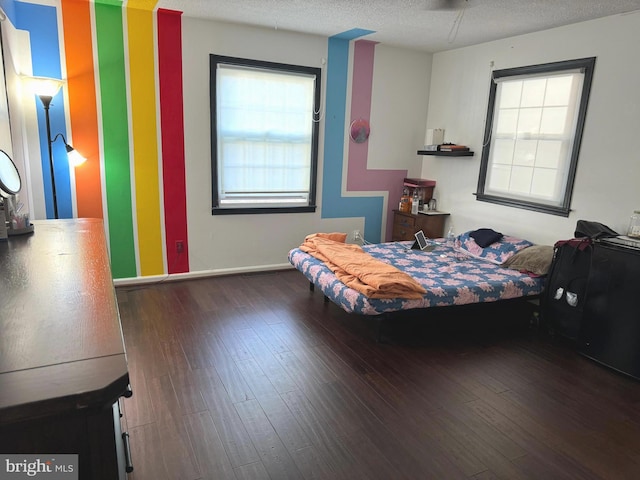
<point>351,194</point>
<point>606,185</point>
<point>137,76</point>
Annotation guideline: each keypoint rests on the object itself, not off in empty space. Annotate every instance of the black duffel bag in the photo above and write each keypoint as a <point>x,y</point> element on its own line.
<point>593,230</point>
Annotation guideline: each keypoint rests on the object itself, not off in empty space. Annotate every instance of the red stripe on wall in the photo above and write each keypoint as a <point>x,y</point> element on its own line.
<point>83,110</point>
<point>172,125</point>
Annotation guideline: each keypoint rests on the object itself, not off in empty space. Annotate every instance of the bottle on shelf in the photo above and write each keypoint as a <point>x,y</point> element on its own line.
<point>405,201</point>
<point>634,225</point>
<point>415,202</point>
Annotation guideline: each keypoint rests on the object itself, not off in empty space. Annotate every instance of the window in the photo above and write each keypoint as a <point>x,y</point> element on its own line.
<point>264,136</point>
<point>532,136</point>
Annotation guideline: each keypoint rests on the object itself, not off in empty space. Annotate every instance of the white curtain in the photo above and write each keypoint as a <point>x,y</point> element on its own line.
<point>533,133</point>
<point>265,120</point>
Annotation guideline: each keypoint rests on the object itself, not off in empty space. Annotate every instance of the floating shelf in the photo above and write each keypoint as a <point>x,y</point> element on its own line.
<point>446,154</point>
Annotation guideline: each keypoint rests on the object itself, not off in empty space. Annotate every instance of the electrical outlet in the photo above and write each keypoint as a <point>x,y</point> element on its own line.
<point>179,246</point>
<point>356,236</point>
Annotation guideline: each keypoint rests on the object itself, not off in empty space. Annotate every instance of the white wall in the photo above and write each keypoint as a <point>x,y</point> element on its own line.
<point>248,241</point>
<point>398,108</point>
<point>607,186</point>
<point>23,118</point>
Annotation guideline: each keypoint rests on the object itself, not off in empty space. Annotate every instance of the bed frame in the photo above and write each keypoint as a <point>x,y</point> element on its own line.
<point>449,276</point>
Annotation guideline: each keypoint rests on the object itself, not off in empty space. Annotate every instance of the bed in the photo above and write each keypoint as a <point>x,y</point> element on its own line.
<point>457,273</point>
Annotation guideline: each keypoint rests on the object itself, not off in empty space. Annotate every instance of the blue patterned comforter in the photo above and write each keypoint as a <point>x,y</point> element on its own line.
<point>450,277</point>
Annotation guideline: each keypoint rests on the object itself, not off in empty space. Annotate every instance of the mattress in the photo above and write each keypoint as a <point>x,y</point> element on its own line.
<point>449,275</point>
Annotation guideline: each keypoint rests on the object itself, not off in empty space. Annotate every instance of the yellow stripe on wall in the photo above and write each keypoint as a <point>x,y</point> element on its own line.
<point>142,88</point>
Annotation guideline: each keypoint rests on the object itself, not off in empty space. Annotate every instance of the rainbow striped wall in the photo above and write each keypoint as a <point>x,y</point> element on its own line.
<point>122,108</point>
<point>123,111</point>
<point>352,201</point>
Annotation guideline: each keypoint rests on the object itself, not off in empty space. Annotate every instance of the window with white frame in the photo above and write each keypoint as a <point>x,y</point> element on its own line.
<point>264,136</point>
<point>534,126</point>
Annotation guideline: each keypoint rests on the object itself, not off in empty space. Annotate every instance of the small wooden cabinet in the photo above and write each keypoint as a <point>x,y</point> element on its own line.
<point>405,225</point>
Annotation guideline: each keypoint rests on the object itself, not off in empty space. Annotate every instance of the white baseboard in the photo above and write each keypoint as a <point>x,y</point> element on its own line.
<point>123,282</point>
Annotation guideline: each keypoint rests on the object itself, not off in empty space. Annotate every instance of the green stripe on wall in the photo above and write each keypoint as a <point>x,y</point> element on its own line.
<point>115,134</point>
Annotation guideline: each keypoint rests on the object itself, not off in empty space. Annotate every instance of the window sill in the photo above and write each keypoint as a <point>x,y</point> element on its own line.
<point>561,211</point>
<point>260,211</point>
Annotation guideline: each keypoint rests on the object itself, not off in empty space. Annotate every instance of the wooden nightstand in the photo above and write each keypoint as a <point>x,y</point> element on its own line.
<point>405,225</point>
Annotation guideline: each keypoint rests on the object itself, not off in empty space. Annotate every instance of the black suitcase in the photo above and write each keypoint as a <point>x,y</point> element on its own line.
<point>564,295</point>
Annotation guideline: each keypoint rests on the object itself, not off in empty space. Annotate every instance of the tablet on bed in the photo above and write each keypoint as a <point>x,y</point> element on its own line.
<point>421,242</point>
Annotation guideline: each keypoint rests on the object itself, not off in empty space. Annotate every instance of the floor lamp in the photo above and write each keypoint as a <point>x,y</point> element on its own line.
<point>46,89</point>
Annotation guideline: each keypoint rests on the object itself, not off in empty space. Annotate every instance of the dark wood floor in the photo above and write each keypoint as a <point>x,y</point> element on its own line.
<point>254,377</point>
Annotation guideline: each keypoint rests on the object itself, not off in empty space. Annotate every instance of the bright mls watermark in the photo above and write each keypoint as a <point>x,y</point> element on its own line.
<point>46,466</point>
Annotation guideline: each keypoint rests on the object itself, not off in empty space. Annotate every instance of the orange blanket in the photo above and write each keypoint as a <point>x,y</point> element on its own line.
<point>359,270</point>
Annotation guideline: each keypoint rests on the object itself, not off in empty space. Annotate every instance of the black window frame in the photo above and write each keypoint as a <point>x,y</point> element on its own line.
<point>587,65</point>
<point>214,60</point>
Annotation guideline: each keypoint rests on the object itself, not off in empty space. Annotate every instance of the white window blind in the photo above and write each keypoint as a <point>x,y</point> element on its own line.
<point>533,132</point>
<point>264,136</point>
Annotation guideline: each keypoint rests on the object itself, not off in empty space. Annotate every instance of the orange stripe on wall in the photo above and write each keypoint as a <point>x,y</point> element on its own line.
<point>83,112</point>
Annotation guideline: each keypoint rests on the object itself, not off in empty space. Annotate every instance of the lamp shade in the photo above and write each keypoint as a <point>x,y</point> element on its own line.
<point>43,86</point>
<point>75,159</point>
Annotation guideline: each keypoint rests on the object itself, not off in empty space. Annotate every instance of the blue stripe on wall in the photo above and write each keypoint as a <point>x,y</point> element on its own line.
<point>334,205</point>
<point>42,24</point>
<point>8,8</point>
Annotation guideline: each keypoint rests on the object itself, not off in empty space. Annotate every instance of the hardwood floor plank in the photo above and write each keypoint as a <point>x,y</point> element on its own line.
<point>266,310</point>
<point>211,459</point>
<point>480,447</point>
<point>541,467</point>
<point>372,463</point>
<point>234,344</point>
<point>602,458</point>
<point>462,415</point>
<point>284,423</point>
<point>255,378</point>
<point>486,475</point>
<point>177,453</point>
<point>252,471</point>
<point>317,428</point>
<point>196,351</point>
<point>187,390</point>
<point>138,407</point>
<point>269,364</point>
<point>343,415</point>
<point>527,433</point>
<point>146,456</point>
<point>162,451</point>
<point>173,353</point>
<point>225,417</point>
<point>315,465</point>
<point>236,387</point>
<point>295,334</point>
<point>164,401</point>
<point>272,452</point>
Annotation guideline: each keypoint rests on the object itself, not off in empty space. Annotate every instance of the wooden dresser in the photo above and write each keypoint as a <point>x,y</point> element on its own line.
<point>63,367</point>
<point>406,224</point>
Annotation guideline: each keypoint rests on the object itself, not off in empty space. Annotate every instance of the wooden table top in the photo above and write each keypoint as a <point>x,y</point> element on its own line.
<point>61,342</point>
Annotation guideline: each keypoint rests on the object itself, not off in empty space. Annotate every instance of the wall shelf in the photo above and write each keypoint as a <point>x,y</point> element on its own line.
<point>446,154</point>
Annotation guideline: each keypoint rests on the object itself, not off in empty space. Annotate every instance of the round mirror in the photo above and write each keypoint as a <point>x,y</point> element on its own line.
<point>360,130</point>
<point>9,176</point>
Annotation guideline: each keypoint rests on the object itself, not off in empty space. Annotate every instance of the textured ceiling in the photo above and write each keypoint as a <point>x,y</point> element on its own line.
<point>418,24</point>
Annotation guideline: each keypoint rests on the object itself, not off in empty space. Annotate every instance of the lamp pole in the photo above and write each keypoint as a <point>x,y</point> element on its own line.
<point>46,101</point>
